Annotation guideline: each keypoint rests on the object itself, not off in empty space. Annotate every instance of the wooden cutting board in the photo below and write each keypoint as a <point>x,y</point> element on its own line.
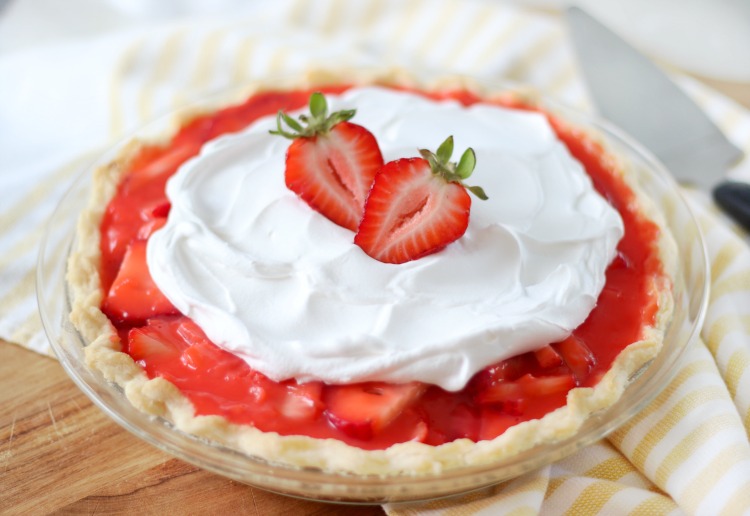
<point>60,453</point>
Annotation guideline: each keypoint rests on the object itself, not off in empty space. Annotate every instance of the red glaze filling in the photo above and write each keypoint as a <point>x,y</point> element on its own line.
<point>372,415</point>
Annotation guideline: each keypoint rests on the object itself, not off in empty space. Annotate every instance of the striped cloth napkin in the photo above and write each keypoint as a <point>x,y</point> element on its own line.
<point>687,452</point>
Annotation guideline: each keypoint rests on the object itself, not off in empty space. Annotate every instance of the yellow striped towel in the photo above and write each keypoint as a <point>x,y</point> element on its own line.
<point>687,452</point>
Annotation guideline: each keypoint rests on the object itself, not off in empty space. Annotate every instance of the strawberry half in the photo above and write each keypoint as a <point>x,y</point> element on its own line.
<point>331,162</point>
<point>417,206</point>
<point>363,410</point>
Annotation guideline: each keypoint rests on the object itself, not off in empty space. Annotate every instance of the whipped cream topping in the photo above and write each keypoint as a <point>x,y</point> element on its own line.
<point>276,283</point>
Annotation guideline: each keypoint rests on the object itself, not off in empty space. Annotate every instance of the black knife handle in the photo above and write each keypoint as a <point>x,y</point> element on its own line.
<point>734,198</point>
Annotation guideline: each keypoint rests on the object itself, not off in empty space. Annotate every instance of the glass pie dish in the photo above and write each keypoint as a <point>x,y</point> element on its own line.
<point>690,291</point>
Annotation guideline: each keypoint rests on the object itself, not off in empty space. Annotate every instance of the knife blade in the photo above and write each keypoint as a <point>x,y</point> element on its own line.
<point>631,91</point>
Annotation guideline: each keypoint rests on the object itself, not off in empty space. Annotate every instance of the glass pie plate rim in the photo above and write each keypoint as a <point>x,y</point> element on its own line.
<point>691,299</point>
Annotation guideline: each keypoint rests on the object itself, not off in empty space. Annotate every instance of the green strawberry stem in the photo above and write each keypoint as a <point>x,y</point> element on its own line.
<point>450,171</point>
<point>318,122</point>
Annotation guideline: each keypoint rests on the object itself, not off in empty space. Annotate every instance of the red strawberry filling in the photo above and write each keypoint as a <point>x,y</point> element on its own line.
<point>369,415</point>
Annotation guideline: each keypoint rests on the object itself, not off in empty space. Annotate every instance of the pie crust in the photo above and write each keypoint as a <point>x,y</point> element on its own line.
<point>158,397</point>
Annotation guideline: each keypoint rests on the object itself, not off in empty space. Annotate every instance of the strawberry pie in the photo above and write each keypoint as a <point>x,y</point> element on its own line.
<point>373,276</point>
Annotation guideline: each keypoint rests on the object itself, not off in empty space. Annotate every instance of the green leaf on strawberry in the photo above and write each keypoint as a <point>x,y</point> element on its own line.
<point>417,206</point>
<point>318,122</point>
<point>331,162</point>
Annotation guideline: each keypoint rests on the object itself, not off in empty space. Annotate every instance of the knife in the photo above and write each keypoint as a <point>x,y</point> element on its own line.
<point>631,91</point>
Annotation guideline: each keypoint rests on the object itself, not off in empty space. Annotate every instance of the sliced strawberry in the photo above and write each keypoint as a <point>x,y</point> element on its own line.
<point>464,423</point>
<point>210,361</point>
<point>133,296</point>
<point>420,430</point>
<point>142,344</point>
<point>302,401</point>
<point>410,425</point>
<point>363,410</point>
<point>509,369</point>
<point>159,340</point>
<point>509,394</point>
<point>201,355</point>
<point>494,422</point>
<point>193,334</point>
<point>417,206</point>
<point>331,163</point>
<point>548,358</point>
<point>577,356</point>
<point>525,388</point>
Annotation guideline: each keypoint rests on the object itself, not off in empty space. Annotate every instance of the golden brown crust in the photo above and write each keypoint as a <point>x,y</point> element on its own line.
<point>160,398</point>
